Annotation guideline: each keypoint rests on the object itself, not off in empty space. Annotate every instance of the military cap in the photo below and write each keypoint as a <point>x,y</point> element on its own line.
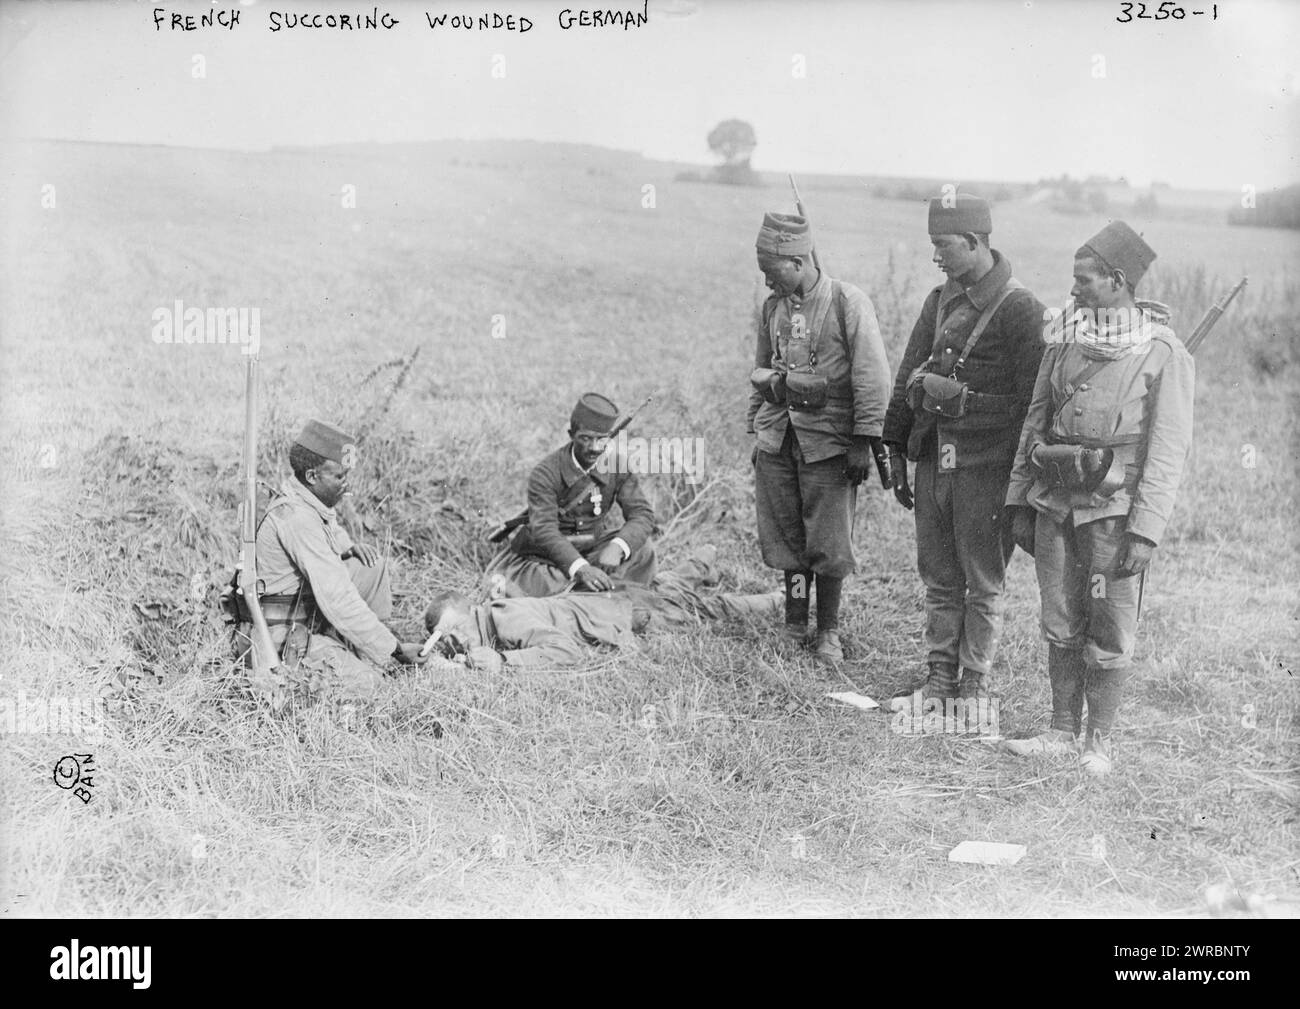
<point>593,413</point>
<point>967,214</point>
<point>784,235</point>
<point>1120,248</point>
<point>327,441</point>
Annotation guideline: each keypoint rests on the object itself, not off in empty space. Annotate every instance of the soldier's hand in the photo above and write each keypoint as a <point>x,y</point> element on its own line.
<point>367,555</point>
<point>1136,556</point>
<point>593,579</point>
<point>1023,523</point>
<point>898,469</point>
<point>485,658</point>
<point>408,653</point>
<point>858,462</point>
<point>610,558</point>
<point>753,456</point>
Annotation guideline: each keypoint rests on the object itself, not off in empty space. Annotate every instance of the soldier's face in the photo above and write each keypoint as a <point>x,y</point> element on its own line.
<point>781,273</point>
<point>588,445</point>
<point>1094,288</point>
<point>954,255</point>
<point>328,482</point>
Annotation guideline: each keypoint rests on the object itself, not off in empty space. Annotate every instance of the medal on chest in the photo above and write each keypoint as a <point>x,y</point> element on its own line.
<point>596,499</point>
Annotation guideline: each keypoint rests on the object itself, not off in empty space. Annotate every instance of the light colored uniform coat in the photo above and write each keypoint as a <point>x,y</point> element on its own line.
<point>1141,406</point>
<point>299,548</point>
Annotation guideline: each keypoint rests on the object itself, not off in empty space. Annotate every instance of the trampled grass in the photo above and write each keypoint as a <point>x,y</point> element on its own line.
<point>705,774</point>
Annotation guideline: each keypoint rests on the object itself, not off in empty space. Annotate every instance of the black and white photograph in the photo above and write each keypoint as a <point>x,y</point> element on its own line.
<point>687,459</point>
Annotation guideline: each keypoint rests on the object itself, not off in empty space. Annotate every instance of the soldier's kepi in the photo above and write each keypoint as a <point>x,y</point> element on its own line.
<point>958,403</point>
<point>1100,459</point>
<point>820,384</point>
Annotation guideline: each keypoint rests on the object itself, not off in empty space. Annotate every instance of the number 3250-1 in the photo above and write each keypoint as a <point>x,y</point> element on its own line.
<point>1163,12</point>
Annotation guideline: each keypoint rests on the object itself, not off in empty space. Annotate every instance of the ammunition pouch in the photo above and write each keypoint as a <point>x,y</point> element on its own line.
<point>806,391</point>
<point>297,640</point>
<point>230,602</point>
<point>945,397</point>
<point>914,390</point>
<point>769,382</point>
<point>291,620</point>
<point>1078,468</point>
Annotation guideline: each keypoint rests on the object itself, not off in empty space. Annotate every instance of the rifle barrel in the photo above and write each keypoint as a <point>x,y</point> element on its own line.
<point>1212,316</point>
<point>798,205</point>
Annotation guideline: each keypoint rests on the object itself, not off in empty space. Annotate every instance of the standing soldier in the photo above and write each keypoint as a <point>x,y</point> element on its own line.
<point>1102,453</point>
<point>570,539</point>
<point>820,389</point>
<point>959,400</point>
<point>325,598</point>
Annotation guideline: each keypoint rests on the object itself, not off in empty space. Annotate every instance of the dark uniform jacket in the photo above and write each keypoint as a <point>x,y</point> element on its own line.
<point>549,488</point>
<point>1004,363</point>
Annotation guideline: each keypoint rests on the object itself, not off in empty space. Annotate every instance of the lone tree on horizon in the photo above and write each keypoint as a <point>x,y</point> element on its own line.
<point>733,140</point>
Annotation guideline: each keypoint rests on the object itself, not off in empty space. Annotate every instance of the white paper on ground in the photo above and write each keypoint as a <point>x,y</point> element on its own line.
<point>857,700</point>
<point>987,853</point>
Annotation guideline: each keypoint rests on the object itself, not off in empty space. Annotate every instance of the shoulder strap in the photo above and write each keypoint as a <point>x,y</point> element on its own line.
<point>837,298</point>
<point>938,319</point>
<point>575,494</point>
<point>985,318</point>
<point>765,321</point>
<point>277,500</point>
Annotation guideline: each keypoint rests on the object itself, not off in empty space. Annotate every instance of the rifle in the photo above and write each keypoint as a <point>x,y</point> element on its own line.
<point>267,668</point>
<point>1211,317</point>
<point>511,524</point>
<point>798,204</point>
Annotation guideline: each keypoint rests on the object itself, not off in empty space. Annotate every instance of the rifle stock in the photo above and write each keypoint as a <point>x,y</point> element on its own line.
<point>266,663</point>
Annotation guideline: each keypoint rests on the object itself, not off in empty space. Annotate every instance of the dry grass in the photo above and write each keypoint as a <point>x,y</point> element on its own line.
<point>556,793</point>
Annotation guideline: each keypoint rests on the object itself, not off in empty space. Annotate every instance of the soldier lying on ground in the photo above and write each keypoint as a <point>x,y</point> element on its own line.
<point>555,630</point>
<point>570,538</point>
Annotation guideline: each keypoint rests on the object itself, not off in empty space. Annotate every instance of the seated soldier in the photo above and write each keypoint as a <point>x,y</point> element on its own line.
<point>570,539</point>
<point>325,598</point>
<point>553,631</point>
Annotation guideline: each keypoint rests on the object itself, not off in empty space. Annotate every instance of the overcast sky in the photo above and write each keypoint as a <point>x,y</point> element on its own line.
<point>992,89</point>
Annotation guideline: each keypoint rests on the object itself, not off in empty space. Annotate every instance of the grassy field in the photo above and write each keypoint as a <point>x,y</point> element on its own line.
<point>744,790</point>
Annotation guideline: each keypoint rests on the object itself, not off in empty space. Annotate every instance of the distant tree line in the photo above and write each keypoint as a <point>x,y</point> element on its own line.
<point>1277,209</point>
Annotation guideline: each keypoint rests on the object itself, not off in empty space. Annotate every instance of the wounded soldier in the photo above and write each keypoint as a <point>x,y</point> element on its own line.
<point>555,630</point>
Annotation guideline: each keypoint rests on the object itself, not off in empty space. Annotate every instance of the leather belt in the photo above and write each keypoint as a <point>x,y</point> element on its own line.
<point>987,402</point>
